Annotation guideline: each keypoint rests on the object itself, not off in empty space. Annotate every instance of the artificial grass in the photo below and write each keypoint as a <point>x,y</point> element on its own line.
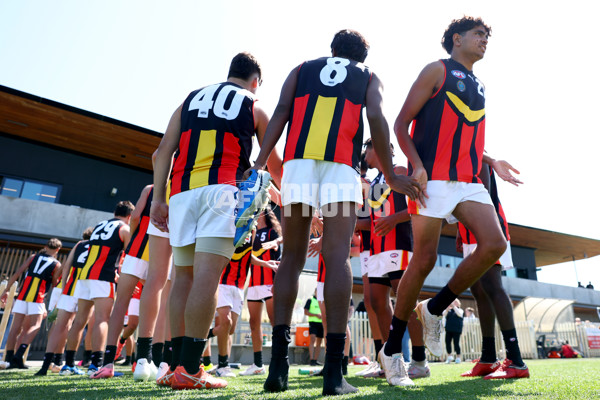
<point>550,379</point>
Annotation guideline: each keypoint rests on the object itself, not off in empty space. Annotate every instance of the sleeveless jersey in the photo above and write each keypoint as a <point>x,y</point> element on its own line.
<point>138,245</point>
<point>365,213</point>
<point>449,131</point>
<point>325,122</point>
<point>321,270</point>
<point>385,202</point>
<point>80,255</point>
<point>236,271</point>
<point>105,248</point>
<point>260,275</point>
<point>466,236</point>
<point>217,125</point>
<point>314,308</point>
<point>38,279</point>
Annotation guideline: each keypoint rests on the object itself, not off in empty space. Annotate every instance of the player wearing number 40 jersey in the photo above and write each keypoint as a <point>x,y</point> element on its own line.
<point>96,285</point>
<point>43,271</point>
<point>210,137</point>
<point>322,102</point>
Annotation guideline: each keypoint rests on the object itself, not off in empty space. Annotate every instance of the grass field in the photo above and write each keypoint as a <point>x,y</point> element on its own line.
<point>551,379</point>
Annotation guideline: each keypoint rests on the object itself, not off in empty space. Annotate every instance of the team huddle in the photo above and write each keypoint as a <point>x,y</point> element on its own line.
<point>193,237</point>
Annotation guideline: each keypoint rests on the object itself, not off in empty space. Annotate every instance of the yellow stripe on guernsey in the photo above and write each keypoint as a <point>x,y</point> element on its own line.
<point>239,256</point>
<point>33,290</point>
<point>379,202</point>
<point>90,260</point>
<point>470,115</point>
<point>319,128</point>
<point>204,158</point>
<point>259,252</point>
<point>145,254</point>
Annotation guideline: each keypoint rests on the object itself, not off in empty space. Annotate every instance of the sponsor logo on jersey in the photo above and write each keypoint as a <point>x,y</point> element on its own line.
<point>394,255</point>
<point>461,86</point>
<point>458,74</point>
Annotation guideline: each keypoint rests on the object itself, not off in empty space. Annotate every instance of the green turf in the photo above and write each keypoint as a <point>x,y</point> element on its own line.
<point>551,379</point>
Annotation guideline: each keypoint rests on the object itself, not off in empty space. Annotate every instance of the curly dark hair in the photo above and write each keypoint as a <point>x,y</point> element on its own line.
<point>243,65</point>
<point>350,44</point>
<point>461,26</point>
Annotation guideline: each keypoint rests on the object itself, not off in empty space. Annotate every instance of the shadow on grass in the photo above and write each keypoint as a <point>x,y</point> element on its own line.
<point>19,385</point>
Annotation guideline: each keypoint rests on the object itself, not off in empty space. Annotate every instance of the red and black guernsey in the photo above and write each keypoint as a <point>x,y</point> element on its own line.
<point>325,122</point>
<point>236,272</point>
<point>80,254</point>
<point>38,279</point>
<point>449,131</point>
<point>260,276</point>
<point>105,248</point>
<point>321,270</point>
<point>385,202</point>
<point>365,213</point>
<point>466,236</point>
<point>138,245</point>
<point>217,125</point>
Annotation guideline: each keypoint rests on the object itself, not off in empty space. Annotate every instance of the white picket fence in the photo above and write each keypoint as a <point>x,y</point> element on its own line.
<point>470,341</point>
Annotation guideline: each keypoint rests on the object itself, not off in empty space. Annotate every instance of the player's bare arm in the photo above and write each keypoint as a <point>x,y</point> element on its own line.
<point>274,162</point>
<point>56,275</point>
<point>426,85</point>
<point>363,224</point>
<point>278,121</point>
<point>136,215</point>
<point>66,267</point>
<point>503,169</point>
<point>159,210</point>
<point>125,235</point>
<point>380,135</point>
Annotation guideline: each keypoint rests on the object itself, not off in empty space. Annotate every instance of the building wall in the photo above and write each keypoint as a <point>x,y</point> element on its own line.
<point>86,182</point>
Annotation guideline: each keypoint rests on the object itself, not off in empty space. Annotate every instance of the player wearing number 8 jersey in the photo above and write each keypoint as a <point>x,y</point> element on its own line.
<point>210,136</point>
<point>43,271</point>
<point>322,102</point>
<point>96,284</point>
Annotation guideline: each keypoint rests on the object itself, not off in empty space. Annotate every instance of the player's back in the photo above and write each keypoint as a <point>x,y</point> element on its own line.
<point>38,278</point>
<point>105,248</point>
<point>326,119</point>
<point>217,125</point>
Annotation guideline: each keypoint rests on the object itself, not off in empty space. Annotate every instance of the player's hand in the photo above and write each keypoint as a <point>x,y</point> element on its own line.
<point>248,172</point>
<point>503,169</point>
<point>274,265</point>
<point>3,298</point>
<point>159,215</point>
<point>420,175</point>
<point>384,225</point>
<point>316,225</point>
<point>272,245</point>
<point>314,247</point>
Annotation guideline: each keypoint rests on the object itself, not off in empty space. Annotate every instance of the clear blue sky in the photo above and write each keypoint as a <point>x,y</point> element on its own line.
<point>137,60</point>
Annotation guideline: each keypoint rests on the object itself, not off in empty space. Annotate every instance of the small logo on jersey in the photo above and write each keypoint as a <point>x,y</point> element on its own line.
<point>461,86</point>
<point>394,255</point>
<point>458,74</point>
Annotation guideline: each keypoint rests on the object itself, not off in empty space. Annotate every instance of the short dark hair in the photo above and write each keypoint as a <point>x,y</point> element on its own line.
<point>124,208</point>
<point>350,44</point>
<point>243,66</point>
<point>87,234</point>
<point>461,26</point>
<point>54,244</point>
<point>369,143</point>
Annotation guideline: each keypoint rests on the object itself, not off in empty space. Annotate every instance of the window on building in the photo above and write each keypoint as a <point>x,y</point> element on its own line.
<point>29,189</point>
